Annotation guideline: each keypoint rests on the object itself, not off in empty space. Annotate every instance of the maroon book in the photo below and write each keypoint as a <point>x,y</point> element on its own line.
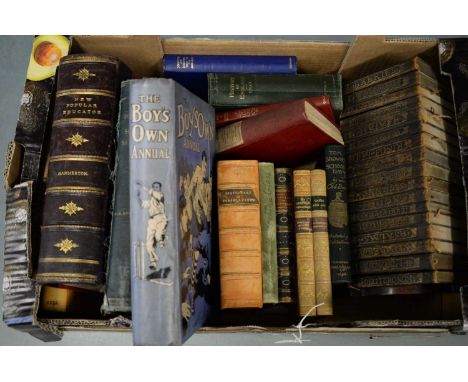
<point>283,135</point>
<point>223,118</point>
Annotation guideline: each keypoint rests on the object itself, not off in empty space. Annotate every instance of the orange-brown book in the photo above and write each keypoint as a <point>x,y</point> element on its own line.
<point>240,237</point>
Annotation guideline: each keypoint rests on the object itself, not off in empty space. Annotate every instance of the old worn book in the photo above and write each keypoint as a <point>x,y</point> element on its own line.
<point>240,236</point>
<point>396,96</point>
<point>285,236</point>
<point>117,294</point>
<point>396,279</point>
<point>268,222</point>
<point>306,289</point>
<point>171,151</point>
<point>223,118</point>
<point>323,280</point>
<point>415,64</point>
<point>405,112</point>
<point>424,262</point>
<point>74,222</point>
<point>406,248</point>
<point>243,90</point>
<point>397,174</point>
<point>69,301</point>
<point>337,209</point>
<point>263,136</point>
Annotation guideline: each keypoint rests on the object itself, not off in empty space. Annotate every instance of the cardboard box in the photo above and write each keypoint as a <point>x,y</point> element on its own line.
<point>441,311</point>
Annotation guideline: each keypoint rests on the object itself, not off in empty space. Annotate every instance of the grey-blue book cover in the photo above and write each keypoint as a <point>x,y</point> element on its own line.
<point>171,150</point>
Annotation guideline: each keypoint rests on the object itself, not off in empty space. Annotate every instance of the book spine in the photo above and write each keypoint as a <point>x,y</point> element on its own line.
<point>304,242</point>
<point>323,280</point>
<point>229,64</point>
<point>426,262</point>
<point>240,234</point>
<point>286,243</point>
<point>409,248</point>
<point>268,221</point>
<point>74,223</point>
<point>388,73</point>
<point>337,203</point>
<point>117,296</point>
<point>154,241</point>
<point>405,279</point>
<point>243,90</point>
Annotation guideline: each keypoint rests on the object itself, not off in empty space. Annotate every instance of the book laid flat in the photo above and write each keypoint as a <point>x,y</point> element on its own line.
<point>306,289</point>
<point>74,222</point>
<point>410,278</point>
<point>243,90</point>
<point>223,118</point>
<point>171,149</point>
<point>191,70</point>
<point>268,223</point>
<point>263,137</point>
<point>285,236</point>
<point>240,234</point>
<point>337,209</point>
<point>117,294</point>
<point>323,281</point>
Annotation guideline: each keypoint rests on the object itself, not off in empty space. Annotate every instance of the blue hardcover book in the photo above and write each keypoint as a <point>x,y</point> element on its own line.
<point>172,144</point>
<point>190,70</point>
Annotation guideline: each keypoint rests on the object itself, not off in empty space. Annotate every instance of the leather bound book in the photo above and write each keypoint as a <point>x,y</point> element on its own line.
<point>240,234</point>
<point>74,221</point>
<point>337,208</point>
<point>323,282</point>
<point>286,241</point>
<point>304,242</point>
<point>410,278</point>
<point>268,221</point>
<point>223,118</point>
<point>263,137</point>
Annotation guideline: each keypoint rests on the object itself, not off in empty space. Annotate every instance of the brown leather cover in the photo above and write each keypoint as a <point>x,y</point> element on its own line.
<point>240,236</point>
<point>74,223</point>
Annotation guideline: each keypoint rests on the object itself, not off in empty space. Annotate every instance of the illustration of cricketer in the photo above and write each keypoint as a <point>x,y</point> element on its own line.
<point>157,221</point>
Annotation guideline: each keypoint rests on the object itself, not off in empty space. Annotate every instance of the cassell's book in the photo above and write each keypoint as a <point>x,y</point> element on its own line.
<point>282,135</point>
<point>171,152</point>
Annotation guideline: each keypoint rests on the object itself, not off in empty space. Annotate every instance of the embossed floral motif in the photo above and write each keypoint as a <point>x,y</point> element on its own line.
<point>70,208</point>
<point>84,74</point>
<point>77,140</point>
<point>66,245</point>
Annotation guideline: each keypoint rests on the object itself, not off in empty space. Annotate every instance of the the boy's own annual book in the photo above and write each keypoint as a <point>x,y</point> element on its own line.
<point>171,152</point>
<point>282,135</point>
<point>191,70</point>
<point>243,90</point>
<point>223,118</point>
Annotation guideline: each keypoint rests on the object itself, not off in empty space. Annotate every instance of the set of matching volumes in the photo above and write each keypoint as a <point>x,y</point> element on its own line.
<point>406,200</point>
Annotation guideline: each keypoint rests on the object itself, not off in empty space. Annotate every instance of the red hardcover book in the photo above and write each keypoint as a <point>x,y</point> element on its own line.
<point>223,118</point>
<point>282,135</point>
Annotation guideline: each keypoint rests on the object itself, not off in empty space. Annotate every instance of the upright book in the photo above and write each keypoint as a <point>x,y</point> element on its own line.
<point>191,70</point>
<point>263,137</point>
<point>171,152</point>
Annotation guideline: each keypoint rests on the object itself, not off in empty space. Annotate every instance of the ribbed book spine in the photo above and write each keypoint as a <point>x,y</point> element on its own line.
<point>285,238</point>
<point>117,297</point>
<point>304,242</point>
<point>75,215</point>
<point>337,209</point>
<point>323,282</point>
<point>240,237</point>
<point>268,221</point>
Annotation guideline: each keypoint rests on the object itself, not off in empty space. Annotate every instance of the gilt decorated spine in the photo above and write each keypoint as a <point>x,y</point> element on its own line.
<point>75,215</point>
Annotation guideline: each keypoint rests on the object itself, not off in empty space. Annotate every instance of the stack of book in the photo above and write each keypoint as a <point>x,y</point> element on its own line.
<point>406,202</point>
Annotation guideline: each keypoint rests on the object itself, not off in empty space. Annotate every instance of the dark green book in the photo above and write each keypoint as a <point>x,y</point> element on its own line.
<point>242,90</point>
<point>117,297</point>
<point>268,222</point>
<point>337,206</point>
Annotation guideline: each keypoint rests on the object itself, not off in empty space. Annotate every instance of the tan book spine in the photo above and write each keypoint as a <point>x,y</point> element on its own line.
<point>304,242</point>
<point>323,284</point>
<point>240,234</point>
